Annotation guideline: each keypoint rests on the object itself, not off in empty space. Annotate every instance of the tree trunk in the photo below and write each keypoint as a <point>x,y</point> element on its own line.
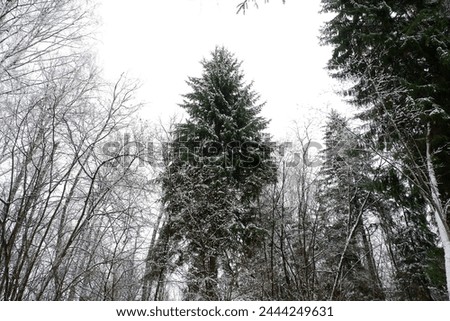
<point>438,210</point>
<point>211,281</point>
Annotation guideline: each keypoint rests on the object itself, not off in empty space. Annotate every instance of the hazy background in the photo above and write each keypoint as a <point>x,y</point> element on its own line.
<point>162,42</point>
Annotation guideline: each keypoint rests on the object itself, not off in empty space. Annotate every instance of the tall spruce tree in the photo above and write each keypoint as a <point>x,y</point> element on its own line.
<point>397,54</point>
<point>347,199</point>
<point>220,163</point>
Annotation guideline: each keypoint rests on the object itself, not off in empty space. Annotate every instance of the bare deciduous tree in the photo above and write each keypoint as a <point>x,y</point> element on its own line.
<point>73,211</point>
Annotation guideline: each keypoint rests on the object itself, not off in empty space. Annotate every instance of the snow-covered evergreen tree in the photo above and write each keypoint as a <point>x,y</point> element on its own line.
<point>397,54</point>
<point>346,199</point>
<point>220,163</point>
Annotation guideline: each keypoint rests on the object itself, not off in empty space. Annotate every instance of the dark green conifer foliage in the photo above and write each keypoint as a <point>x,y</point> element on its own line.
<point>397,55</point>
<point>417,263</point>
<point>220,163</point>
<point>346,199</point>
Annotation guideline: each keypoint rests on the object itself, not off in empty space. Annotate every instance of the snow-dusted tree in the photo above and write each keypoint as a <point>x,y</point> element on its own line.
<point>69,226</point>
<point>346,199</point>
<point>412,265</point>
<point>220,163</point>
<point>286,269</point>
<point>397,54</point>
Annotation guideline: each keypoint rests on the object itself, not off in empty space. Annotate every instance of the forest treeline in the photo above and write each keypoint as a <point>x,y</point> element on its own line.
<point>96,204</point>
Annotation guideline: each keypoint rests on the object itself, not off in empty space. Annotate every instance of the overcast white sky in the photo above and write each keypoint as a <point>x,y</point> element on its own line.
<point>161,42</point>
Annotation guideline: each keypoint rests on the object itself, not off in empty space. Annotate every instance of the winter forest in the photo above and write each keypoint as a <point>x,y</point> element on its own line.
<point>98,204</point>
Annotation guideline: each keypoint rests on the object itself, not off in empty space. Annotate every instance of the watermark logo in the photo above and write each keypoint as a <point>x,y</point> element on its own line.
<point>247,154</point>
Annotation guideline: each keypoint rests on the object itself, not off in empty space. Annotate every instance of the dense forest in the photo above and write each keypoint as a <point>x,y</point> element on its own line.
<point>97,204</point>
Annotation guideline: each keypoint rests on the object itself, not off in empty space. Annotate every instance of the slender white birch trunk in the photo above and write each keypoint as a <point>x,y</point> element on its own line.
<point>439,211</point>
